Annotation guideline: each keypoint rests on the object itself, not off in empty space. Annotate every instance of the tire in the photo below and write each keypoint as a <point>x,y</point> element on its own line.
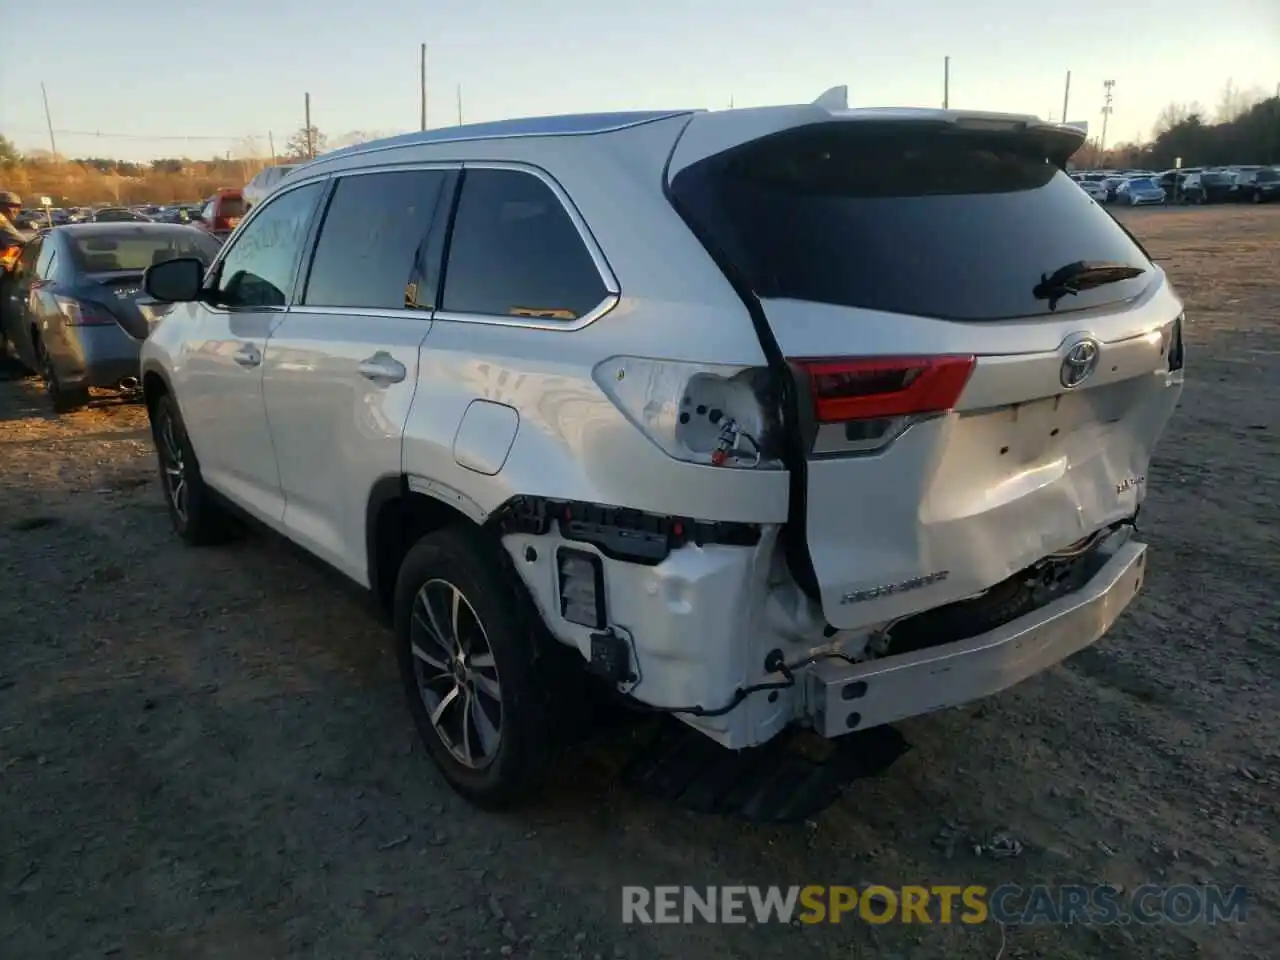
<point>62,399</point>
<point>492,738</point>
<point>1257,196</point>
<point>196,515</point>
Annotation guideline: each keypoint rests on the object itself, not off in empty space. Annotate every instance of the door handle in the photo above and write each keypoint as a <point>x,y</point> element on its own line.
<point>248,356</point>
<point>382,367</point>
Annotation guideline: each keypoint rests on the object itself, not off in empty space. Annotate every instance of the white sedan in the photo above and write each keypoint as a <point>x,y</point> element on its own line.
<point>1094,189</point>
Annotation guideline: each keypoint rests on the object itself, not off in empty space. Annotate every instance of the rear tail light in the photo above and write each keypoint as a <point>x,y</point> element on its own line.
<point>84,313</point>
<point>581,587</point>
<point>862,404</point>
<point>222,223</point>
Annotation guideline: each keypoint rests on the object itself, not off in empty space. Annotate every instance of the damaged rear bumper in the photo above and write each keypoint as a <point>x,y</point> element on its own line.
<point>844,697</point>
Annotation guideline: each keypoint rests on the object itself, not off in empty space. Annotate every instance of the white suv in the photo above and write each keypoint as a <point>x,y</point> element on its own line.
<point>786,416</point>
<point>266,180</point>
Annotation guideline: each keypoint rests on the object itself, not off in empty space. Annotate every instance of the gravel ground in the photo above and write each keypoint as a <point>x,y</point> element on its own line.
<point>205,753</point>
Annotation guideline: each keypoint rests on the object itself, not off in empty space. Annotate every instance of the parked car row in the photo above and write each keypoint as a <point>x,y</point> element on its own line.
<point>1237,184</point>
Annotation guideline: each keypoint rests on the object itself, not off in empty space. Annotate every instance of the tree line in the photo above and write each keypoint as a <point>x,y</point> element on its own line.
<point>1243,129</point>
<point>89,180</point>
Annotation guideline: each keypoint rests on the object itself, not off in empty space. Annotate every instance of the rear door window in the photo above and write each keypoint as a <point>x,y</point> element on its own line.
<point>381,241</point>
<point>516,252</point>
<point>917,220</point>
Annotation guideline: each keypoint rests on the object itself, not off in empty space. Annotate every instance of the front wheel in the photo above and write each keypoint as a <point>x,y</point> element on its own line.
<point>196,515</point>
<point>466,642</point>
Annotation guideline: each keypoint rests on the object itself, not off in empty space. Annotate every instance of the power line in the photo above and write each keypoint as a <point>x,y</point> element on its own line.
<point>106,134</point>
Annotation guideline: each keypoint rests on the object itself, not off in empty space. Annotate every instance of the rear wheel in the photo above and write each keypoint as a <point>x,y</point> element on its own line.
<point>196,515</point>
<point>64,399</point>
<point>466,643</point>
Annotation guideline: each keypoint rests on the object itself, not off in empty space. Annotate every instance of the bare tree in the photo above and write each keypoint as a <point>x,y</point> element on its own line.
<point>1234,102</point>
<point>297,145</point>
<point>1175,115</point>
<point>8,152</point>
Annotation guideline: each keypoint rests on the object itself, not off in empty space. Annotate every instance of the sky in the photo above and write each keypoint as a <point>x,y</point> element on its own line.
<point>140,79</point>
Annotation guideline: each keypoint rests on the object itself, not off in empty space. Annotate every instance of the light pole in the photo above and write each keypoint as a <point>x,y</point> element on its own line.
<point>1107,86</point>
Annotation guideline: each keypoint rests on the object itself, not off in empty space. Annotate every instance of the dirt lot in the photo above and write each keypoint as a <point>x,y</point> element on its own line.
<point>205,753</point>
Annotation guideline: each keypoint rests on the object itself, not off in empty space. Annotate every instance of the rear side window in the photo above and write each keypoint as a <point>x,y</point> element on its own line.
<point>44,262</point>
<point>920,220</point>
<point>377,245</point>
<point>515,252</point>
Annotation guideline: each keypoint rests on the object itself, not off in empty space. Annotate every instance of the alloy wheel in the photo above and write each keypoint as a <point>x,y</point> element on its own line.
<point>174,466</point>
<point>456,674</point>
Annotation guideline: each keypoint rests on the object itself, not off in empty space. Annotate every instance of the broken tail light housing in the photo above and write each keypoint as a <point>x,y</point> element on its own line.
<point>713,414</point>
<point>581,587</point>
<point>1175,345</point>
<point>861,404</point>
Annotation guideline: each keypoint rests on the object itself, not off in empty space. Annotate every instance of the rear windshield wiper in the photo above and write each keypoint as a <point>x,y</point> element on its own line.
<point>1081,275</point>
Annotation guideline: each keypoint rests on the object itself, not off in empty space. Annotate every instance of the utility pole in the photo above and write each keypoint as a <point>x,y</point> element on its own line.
<point>1107,86</point>
<point>946,83</point>
<point>459,104</point>
<point>731,101</point>
<point>311,147</point>
<point>271,143</point>
<point>422,84</point>
<point>48,119</point>
<point>1066,96</point>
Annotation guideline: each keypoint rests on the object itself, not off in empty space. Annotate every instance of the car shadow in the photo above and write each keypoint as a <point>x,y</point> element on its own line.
<point>29,401</point>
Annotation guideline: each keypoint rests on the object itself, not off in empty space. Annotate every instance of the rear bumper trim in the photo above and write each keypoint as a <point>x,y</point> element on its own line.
<point>846,697</point>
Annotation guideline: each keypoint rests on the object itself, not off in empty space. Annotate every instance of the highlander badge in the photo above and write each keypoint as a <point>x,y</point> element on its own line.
<point>889,589</point>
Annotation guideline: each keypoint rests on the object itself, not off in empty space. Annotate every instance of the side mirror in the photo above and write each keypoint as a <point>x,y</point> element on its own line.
<point>175,281</point>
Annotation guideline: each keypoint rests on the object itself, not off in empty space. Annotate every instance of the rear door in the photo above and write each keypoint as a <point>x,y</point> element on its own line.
<point>342,367</point>
<point>981,355</point>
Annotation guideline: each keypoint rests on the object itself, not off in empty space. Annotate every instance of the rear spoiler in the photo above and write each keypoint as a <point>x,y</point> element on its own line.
<point>710,133</point>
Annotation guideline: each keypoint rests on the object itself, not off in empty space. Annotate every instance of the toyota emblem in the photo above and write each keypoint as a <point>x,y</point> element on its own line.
<point>1079,363</point>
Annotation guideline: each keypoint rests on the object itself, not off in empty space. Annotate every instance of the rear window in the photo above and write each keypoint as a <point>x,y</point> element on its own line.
<point>230,206</point>
<point>105,252</point>
<point>933,222</point>
<point>1267,176</point>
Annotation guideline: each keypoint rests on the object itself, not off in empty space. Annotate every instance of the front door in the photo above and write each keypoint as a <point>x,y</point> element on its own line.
<point>219,372</point>
<point>342,367</point>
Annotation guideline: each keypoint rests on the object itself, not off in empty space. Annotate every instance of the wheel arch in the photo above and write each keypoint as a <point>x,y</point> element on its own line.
<point>400,511</point>
<point>155,384</point>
